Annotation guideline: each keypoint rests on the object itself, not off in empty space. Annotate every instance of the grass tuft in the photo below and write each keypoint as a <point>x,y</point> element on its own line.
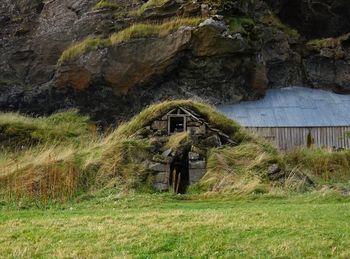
<point>325,165</point>
<point>240,169</point>
<point>331,43</point>
<point>147,5</point>
<point>177,140</point>
<point>60,127</point>
<point>105,4</point>
<point>149,30</point>
<point>83,47</point>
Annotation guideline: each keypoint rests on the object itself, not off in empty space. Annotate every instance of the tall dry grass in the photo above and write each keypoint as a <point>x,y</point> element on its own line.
<point>325,164</point>
<point>240,169</point>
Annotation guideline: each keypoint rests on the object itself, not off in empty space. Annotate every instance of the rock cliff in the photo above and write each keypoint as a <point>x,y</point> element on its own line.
<point>112,58</point>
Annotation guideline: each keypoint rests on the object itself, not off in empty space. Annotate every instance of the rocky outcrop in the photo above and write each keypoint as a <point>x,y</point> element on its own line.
<point>314,18</point>
<point>328,64</point>
<point>239,50</point>
<point>36,32</point>
<point>124,66</point>
<point>142,62</point>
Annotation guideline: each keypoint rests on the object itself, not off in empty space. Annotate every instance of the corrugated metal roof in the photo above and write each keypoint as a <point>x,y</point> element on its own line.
<point>292,107</point>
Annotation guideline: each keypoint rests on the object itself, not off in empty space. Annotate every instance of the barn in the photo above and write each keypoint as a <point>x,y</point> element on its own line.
<point>296,117</point>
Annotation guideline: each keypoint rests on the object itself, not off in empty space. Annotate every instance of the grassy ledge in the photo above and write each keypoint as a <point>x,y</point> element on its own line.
<point>105,4</point>
<point>83,47</point>
<point>331,43</point>
<point>135,31</point>
<point>147,5</point>
<point>148,30</point>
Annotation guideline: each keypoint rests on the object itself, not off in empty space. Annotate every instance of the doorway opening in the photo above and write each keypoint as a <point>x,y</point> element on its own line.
<point>179,177</point>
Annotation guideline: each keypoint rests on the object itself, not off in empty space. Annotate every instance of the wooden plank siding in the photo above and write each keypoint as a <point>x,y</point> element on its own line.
<point>286,138</point>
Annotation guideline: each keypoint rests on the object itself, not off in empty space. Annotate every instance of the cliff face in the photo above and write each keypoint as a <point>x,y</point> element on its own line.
<point>112,58</point>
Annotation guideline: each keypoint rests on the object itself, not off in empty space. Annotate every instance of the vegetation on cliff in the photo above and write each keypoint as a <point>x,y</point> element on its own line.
<point>332,43</point>
<point>83,47</point>
<point>105,4</point>
<point>147,5</point>
<point>140,30</point>
<point>148,30</point>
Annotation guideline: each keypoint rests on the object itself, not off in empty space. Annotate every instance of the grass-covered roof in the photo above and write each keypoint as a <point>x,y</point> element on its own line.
<point>207,112</point>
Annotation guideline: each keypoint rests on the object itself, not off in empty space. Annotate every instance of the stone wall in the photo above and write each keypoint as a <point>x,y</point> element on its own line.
<point>197,167</point>
<point>160,173</point>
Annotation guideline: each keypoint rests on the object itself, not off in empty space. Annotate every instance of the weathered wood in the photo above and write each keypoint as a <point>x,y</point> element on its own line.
<point>286,138</point>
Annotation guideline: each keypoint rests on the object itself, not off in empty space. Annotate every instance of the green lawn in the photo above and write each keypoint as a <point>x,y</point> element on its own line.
<point>152,226</point>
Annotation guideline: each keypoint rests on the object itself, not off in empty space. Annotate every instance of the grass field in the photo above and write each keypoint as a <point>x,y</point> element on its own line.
<point>309,225</point>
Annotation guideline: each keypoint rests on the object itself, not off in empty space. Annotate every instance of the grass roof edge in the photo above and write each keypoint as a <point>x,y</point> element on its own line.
<point>208,112</point>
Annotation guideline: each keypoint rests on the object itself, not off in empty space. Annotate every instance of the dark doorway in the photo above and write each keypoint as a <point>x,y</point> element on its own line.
<point>177,124</point>
<point>179,178</point>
